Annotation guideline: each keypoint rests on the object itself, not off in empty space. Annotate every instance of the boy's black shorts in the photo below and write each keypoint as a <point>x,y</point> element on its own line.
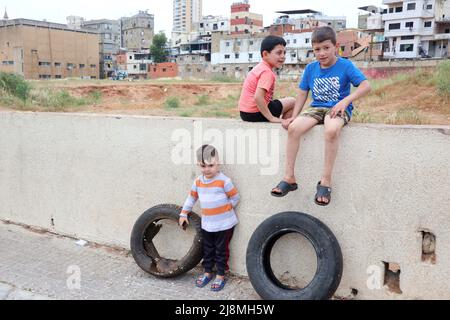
<point>275,108</point>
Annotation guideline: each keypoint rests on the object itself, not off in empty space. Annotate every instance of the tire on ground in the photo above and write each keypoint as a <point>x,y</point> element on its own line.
<point>144,251</point>
<point>329,258</point>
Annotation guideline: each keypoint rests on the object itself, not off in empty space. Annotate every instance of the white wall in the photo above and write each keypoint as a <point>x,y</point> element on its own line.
<point>94,175</point>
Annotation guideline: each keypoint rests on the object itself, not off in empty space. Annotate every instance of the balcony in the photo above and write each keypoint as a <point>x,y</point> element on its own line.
<point>409,32</point>
<point>442,36</point>
<point>408,15</point>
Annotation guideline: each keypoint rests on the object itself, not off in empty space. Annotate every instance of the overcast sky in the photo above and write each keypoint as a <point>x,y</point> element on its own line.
<point>57,11</point>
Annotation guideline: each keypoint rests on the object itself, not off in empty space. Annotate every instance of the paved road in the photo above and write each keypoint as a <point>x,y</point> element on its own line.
<point>41,266</point>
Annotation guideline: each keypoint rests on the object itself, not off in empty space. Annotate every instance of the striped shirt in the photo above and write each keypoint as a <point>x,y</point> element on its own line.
<point>218,198</point>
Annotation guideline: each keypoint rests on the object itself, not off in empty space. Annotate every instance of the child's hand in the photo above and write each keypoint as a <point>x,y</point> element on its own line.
<point>287,122</point>
<point>339,109</point>
<point>184,222</point>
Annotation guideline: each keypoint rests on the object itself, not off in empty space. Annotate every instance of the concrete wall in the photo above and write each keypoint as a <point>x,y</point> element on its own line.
<point>92,176</point>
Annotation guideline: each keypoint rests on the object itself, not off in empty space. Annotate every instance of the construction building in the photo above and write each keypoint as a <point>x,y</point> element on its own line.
<point>242,20</point>
<point>308,19</point>
<point>45,50</point>
<point>138,31</point>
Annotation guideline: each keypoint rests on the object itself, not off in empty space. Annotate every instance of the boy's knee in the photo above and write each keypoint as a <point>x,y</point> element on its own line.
<point>332,134</point>
<point>294,131</point>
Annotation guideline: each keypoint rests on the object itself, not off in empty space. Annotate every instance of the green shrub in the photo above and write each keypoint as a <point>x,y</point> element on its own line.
<point>172,103</point>
<point>15,85</point>
<point>203,100</point>
<point>443,79</point>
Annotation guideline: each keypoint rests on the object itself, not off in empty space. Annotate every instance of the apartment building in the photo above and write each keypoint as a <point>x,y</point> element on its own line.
<point>110,40</point>
<point>45,50</point>
<point>186,17</point>
<point>242,20</point>
<point>138,31</point>
<point>417,28</point>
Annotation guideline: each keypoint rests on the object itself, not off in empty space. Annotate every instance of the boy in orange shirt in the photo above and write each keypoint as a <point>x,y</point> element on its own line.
<point>256,103</point>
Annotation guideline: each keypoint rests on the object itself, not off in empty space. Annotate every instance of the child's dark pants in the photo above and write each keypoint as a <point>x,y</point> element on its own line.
<point>216,250</point>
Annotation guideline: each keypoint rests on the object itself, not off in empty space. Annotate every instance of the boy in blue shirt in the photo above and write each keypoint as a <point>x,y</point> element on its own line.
<point>330,79</point>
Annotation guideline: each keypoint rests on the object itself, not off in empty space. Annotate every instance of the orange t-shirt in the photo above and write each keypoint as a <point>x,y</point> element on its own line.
<point>262,76</point>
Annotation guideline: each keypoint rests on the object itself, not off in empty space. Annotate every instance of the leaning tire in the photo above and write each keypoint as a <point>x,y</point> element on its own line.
<point>144,251</point>
<point>329,258</point>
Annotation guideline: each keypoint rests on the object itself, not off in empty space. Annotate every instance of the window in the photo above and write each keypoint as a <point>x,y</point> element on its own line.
<point>307,40</point>
<point>45,76</point>
<point>58,64</point>
<point>227,44</point>
<point>58,76</point>
<point>251,42</point>
<point>394,26</point>
<point>82,66</point>
<point>391,10</point>
<point>224,69</point>
<point>93,66</point>
<point>164,70</point>
<point>407,38</point>
<point>8,63</point>
<point>69,66</point>
<point>236,55</point>
<point>429,6</point>
<point>227,56</point>
<point>250,55</point>
<point>288,41</point>
<point>239,43</point>
<point>295,41</point>
<point>222,24</point>
<point>407,47</point>
<point>44,64</point>
<point>399,9</point>
<point>409,25</point>
<point>411,6</point>
<point>427,24</point>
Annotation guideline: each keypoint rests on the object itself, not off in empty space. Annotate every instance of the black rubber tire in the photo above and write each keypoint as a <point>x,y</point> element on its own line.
<point>329,258</point>
<point>149,260</point>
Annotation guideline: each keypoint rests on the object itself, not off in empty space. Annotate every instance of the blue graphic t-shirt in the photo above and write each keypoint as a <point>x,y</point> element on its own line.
<point>331,85</point>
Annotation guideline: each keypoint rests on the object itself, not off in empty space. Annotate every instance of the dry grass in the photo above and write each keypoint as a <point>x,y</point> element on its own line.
<point>412,98</point>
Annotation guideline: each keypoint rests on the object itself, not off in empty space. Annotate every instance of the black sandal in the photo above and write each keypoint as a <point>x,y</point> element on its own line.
<point>285,189</point>
<point>323,192</point>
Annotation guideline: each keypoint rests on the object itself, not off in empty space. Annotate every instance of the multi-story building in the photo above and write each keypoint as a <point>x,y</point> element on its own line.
<point>110,41</point>
<point>417,28</point>
<point>138,31</point>
<point>186,17</point>
<point>242,20</point>
<point>309,19</point>
<point>137,63</point>
<point>210,24</point>
<point>45,50</point>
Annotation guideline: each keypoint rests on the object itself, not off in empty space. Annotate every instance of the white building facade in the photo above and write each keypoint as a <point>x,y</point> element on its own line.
<point>417,28</point>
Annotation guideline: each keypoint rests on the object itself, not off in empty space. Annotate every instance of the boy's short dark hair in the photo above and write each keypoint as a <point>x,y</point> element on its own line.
<point>206,154</point>
<point>270,42</point>
<point>322,34</point>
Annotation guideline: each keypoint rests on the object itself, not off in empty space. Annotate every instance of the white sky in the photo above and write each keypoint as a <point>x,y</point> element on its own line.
<point>57,11</point>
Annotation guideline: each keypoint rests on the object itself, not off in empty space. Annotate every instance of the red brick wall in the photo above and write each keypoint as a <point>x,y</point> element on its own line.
<point>163,70</point>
